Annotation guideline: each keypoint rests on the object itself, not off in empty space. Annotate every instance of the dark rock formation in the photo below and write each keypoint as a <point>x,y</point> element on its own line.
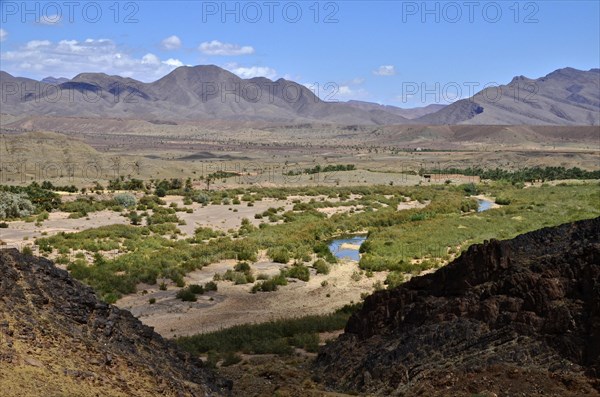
<point>515,317</point>
<point>80,345</point>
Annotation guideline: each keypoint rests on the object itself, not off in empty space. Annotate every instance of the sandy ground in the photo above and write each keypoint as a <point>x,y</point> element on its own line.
<point>223,218</point>
<point>234,304</point>
<point>407,205</point>
<point>20,232</point>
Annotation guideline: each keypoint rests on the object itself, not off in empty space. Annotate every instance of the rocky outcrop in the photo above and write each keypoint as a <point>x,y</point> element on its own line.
<point>516,317</point>
<point>58,339</point>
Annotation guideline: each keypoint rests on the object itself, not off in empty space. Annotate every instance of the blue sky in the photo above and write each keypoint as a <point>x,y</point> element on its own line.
<point>362,50</point>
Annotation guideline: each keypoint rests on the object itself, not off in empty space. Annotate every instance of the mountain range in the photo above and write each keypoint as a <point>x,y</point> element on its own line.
<point>564,97</point>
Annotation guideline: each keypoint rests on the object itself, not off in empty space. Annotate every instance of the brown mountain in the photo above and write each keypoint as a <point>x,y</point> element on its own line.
<point>187,93</point>
<point>564,97</point>
<point>58,339</point>
<point>411,113</point>
<point>507,318</point>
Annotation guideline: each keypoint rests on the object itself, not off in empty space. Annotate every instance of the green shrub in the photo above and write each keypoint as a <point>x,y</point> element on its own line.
<point>321,267</point>
<point>15,205</point>
<point>237,278</point>
<point>231,358</point>
<point>210,286</point>
<point>196,289</point>
<point>270,284</point>
<point>279,254</point>
<point>275,337</point>
<point>152,301</point>
<point>243,267</point>
<point>394,279</point>
<point>300,272</point>
<point>126,200</point>
<point>186,295</point>
<point>503,200</point>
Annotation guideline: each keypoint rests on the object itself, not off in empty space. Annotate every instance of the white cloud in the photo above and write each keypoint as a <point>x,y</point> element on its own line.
<point>150,59</point>
<point>345,93</point>
<point>215,47</point>
<point>171,43</point>
<point>33,44</point>
<point>173,62</point>
<point>3,34</point>
<point>41,58</point>
<point>385,70</point>
<point>248,72</point>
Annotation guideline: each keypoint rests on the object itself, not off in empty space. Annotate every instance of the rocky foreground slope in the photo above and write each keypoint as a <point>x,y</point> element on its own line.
<point>58,339</point>
<point>507,318</point>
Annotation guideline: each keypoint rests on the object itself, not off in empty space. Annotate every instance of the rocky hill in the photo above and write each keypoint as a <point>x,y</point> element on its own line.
<point>204,92</point>
<point>207,92</point>
<point>507,318</point>
<point>564,97</point>
<point>58,339</point>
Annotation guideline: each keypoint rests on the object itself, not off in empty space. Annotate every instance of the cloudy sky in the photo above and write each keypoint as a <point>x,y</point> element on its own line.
<point>374,51</point>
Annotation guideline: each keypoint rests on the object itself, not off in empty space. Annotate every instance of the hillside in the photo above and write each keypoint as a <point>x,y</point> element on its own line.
<point>187,93</point>
<point>515,317</point>
<point>207,92</point>
<point>58,339</point>
<point>409,113</point>
<point>564,97</point>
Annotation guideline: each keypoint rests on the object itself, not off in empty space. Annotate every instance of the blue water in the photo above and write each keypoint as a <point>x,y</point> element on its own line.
<point>352,254</point>
<point>483,205</point>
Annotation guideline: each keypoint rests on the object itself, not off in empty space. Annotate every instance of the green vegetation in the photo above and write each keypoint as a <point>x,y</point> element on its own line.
<point>300,272</point>
<point>328,168</point>
<point>521,175</point>
<point>186,295</point>
<point>275,337</point>
<point>434,236</point>
<point>402,241</point>
<point>126,200</point>
<point>321,267</point>
<point>270,284</point>
<point>15,205</point>
<point>42,199</point>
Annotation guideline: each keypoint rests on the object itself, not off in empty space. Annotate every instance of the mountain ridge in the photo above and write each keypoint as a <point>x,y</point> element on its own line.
<point>565,96</point>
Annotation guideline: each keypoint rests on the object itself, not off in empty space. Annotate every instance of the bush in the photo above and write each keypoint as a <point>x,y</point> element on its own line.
<point>15,205</point>
<point>210,286</point>
<point>231,359</point>
<point>152,301</point>
<point>502,201</point>
<point>27,251</point>
<point>243,267</point>
<point>470,189</point>
<point>202,198</point>
<point>196,289</point>
<point>394,279</point>
<point>300,272</point>
<point>279,254</point>
<point>126,200</point>
<point>3,225</point>
<point>238,278</point>
<point>186,295</point>
<point>270,284</point>
<point>321,267</point>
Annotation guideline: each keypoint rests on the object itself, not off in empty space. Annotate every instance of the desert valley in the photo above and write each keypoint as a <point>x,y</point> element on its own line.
<point>206,232</point>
